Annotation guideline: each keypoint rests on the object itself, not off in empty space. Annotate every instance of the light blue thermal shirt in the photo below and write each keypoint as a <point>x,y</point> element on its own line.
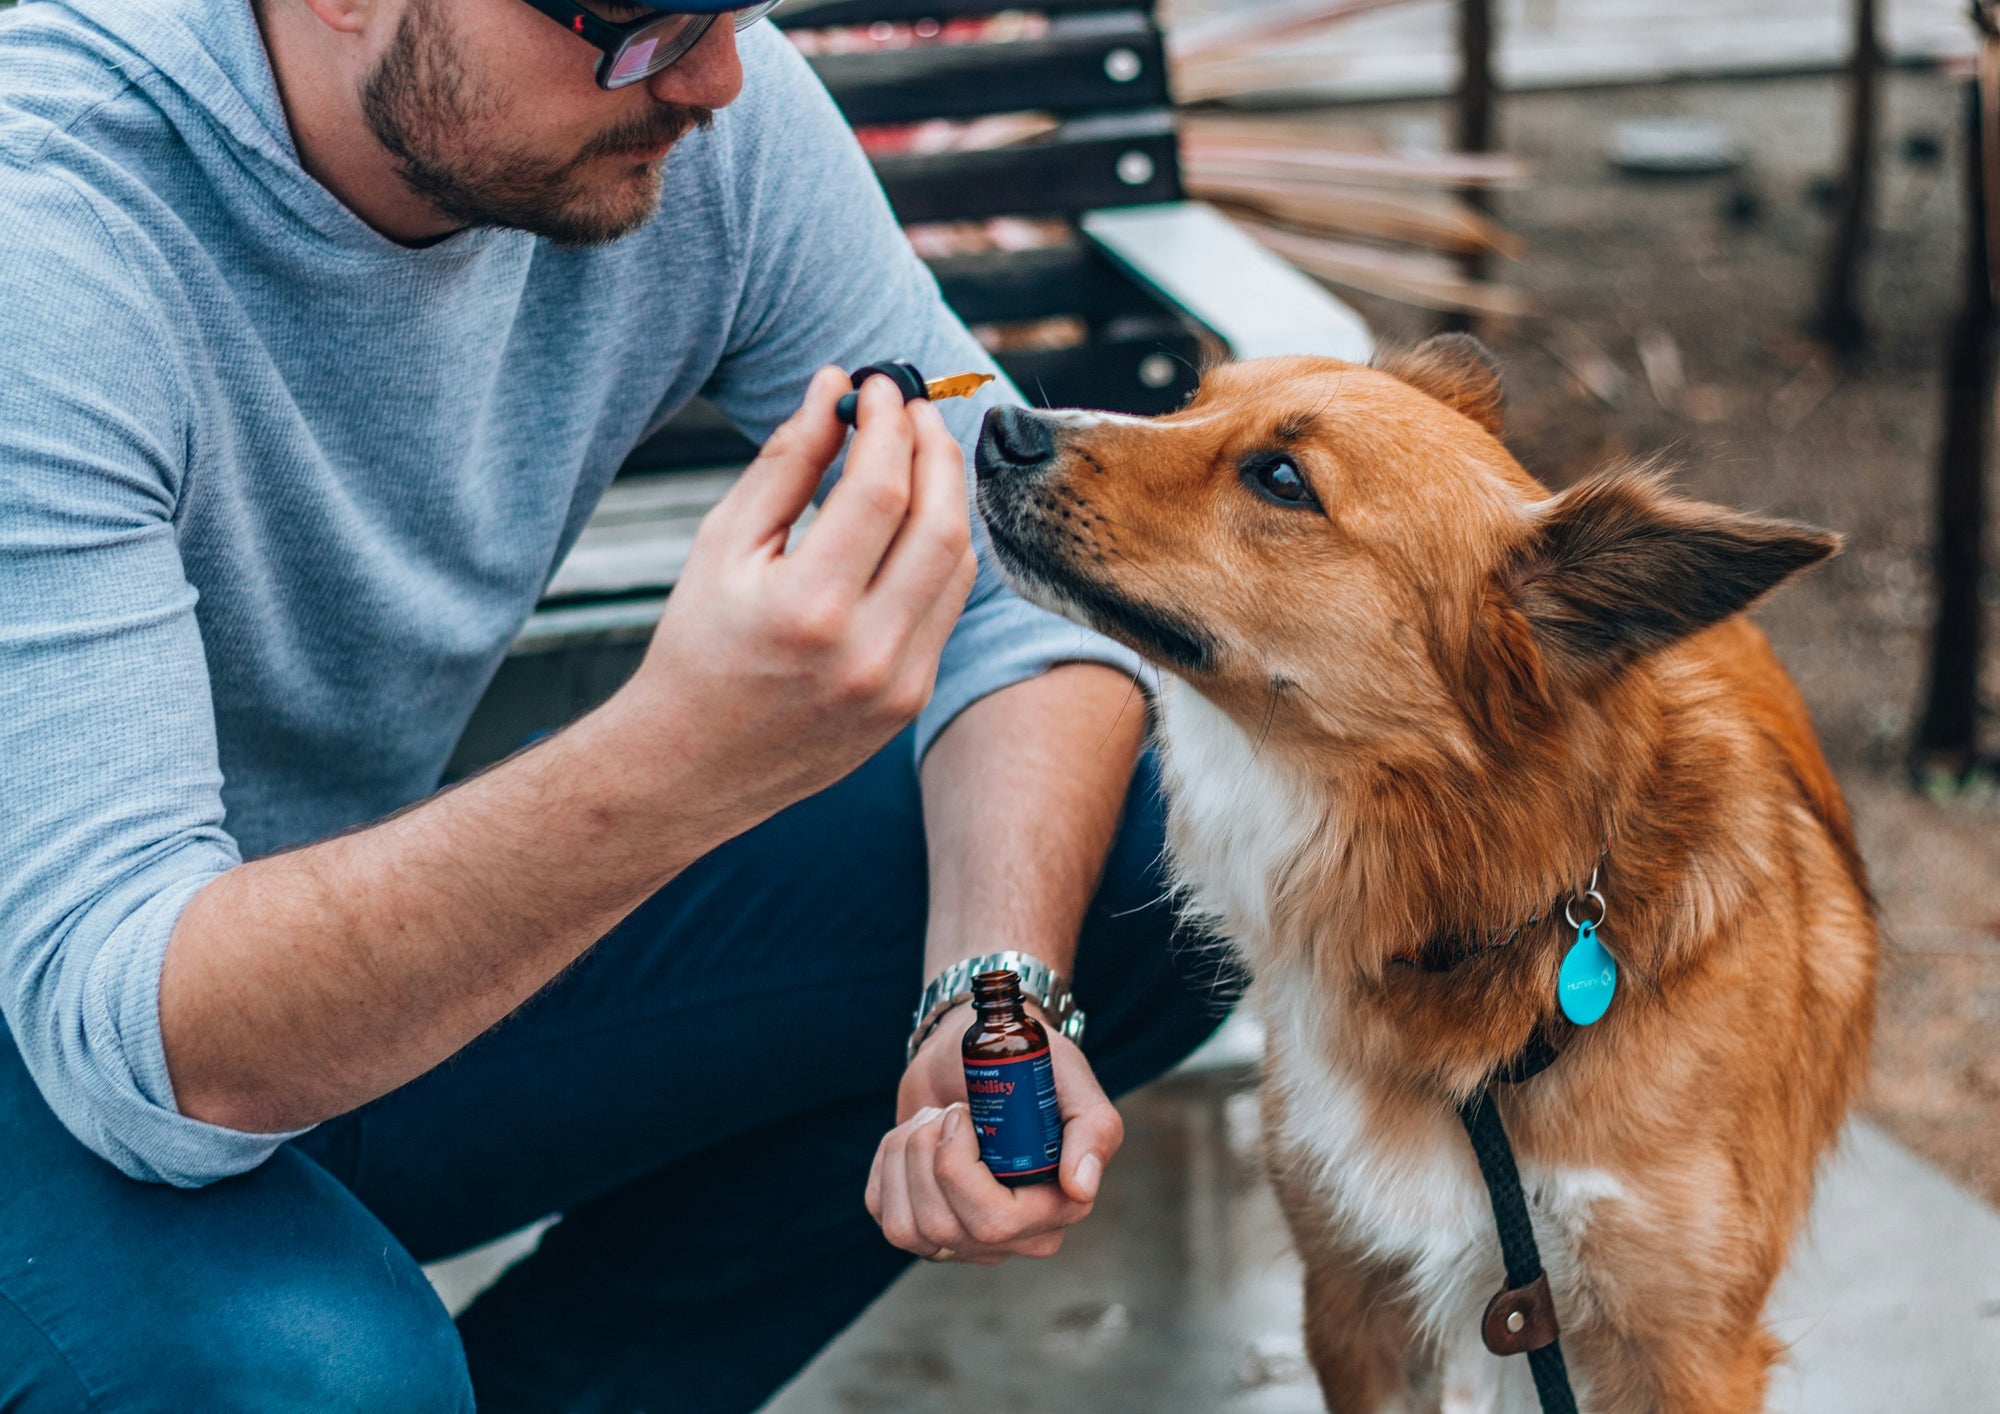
<point>276,493</point>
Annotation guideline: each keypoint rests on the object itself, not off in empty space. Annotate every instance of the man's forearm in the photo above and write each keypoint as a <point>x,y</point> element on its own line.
<point>299,986</point>
<point>1022,795</point>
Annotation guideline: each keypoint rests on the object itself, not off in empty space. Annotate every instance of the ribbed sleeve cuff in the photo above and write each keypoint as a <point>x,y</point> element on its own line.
<point>113,1067</point>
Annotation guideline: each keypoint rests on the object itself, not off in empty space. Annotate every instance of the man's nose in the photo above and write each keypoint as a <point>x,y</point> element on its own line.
<point>710,75</point>
<point>1014,440</point>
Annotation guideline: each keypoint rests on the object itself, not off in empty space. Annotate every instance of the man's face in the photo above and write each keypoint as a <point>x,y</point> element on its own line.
<point>495,118</point>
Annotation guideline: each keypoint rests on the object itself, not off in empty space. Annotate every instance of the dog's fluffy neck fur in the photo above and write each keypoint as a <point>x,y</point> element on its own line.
<point>1321,865</point>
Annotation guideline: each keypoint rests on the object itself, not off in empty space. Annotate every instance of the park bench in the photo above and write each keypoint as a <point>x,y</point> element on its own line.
<point>1148,282</point>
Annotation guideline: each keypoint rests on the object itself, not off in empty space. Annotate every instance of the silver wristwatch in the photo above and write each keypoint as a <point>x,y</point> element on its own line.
<point>1040,984</point>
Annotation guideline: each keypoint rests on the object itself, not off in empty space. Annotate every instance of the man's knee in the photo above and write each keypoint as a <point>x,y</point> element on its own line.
<point>361,1343</point>
<point>273,1290</point>
<point>252,1350</point>
<point>299,1339</point>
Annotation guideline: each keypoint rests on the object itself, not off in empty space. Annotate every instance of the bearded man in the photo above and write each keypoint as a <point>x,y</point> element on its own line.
<point>323,325</point>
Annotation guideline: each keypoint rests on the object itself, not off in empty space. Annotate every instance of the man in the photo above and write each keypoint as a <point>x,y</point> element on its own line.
<point>323,324</point>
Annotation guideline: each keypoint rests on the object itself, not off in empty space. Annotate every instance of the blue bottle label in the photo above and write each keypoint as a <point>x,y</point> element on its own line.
<point>1013,1105</point>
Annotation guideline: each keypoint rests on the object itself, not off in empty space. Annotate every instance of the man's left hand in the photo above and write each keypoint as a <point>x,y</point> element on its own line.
<point>933,1196</point>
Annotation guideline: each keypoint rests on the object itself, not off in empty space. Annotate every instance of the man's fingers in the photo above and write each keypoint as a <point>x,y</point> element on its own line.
<point>936,1222</point>
<point>871,1197</point>
<point>929,1189</point>
<point>1044,1245</point>
<point>776,488</point>
<point>920,593</point>
<point>896,1216</point>
<point>931,560</point>
<point>992,1214</point>
<point>868,505</point>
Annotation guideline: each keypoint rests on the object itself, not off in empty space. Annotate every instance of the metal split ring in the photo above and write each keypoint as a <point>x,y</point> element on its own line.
<point>1569,908</point>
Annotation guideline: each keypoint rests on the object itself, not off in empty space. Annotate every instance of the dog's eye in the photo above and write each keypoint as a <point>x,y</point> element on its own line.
<point>1277,478</point>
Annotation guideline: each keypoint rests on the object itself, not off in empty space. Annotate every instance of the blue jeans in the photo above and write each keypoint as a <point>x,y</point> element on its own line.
<point>673,1095</point>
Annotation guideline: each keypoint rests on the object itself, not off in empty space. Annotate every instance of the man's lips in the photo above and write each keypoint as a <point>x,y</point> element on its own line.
<point>649,142</point>
<point>649,152</point>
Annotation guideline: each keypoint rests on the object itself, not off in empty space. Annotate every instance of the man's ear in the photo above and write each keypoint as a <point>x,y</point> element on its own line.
<point>341,16</point>
<point>1615,568</point>
<point>1457,370</point>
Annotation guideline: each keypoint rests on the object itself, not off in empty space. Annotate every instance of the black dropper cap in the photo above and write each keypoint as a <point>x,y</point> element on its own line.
<point>904,375</point>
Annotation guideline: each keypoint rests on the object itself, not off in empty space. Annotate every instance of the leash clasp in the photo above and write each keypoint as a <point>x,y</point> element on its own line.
<point>1520,1318</point>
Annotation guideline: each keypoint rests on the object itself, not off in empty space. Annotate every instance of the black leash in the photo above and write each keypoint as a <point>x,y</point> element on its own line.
<point>1522,1318</point>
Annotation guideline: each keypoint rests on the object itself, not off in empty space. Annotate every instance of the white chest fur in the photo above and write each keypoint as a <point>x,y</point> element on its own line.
<point>1241,830</point>
<point>1238,826</point>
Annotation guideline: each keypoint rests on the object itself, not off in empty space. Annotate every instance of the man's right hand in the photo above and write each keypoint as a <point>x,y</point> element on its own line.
<point>788,670</point>
<point>303,984</point>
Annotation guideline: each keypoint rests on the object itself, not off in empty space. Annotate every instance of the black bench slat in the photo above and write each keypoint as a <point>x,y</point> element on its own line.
<point>1012,287</point>
<point>1105,371</point>
<point>1084,164</point>
<point>1111,371</point>
<point>699,435</point>
<point>533,693</point>
<point>1090,63</point>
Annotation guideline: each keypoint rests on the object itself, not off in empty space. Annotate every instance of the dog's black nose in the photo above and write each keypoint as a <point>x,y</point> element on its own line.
<point>1013,439</point>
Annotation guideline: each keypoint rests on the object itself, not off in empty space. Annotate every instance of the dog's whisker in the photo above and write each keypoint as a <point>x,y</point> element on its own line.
<point>1131,691</point>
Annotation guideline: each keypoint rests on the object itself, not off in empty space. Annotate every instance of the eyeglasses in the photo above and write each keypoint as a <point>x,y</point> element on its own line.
<point>638,49</point>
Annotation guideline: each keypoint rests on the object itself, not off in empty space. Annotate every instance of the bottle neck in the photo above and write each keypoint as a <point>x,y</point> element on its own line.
<point>1000,1011</point>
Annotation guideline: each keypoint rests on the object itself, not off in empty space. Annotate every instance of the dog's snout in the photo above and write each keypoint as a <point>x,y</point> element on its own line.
<point>1014,439</point>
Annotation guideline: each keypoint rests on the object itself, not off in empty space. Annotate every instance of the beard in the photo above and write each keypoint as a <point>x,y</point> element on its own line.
<point>442,126</point>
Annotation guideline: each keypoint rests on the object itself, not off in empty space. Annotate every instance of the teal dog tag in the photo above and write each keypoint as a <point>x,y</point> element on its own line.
<point>1589,978</point>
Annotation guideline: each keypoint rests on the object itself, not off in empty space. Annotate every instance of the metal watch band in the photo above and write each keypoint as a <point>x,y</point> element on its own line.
<point>1040,984</point>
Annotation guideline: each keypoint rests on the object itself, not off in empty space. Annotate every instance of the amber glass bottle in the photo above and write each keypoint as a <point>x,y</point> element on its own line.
<point>1010,1084</point>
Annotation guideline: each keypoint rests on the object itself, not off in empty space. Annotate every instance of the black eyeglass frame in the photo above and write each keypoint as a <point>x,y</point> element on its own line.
<point>614,39</point>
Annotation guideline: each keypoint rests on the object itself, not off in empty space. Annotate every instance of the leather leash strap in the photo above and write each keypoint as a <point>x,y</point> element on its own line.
<point>1523,1316</point>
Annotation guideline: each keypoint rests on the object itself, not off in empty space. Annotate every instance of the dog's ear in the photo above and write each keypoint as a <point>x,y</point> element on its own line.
<point>1506,687</point>
<point>1457,370</point>
<point>1615,568</point>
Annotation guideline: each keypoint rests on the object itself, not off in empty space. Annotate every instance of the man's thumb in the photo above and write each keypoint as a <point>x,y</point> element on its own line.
<point>1081,1181</point>
<point>1089,1141</point>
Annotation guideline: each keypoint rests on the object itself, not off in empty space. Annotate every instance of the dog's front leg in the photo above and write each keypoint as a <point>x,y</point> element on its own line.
<point>1472,1380</point>
<point>1359,1338</point>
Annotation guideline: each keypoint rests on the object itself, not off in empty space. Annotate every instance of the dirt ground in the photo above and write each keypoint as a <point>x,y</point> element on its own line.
<point>1720,272</point>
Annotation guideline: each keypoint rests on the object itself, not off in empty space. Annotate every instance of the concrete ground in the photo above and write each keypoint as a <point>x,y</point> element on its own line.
<point>1181,1296</point>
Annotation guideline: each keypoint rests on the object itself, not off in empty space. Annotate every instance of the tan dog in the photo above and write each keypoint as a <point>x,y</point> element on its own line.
<point>1412,700</point>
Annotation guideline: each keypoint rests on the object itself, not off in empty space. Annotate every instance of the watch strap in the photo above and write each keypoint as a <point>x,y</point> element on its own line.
<point>1040,984</point>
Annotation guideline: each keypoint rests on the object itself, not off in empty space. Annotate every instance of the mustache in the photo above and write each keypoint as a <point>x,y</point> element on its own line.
<point>666,123</point>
